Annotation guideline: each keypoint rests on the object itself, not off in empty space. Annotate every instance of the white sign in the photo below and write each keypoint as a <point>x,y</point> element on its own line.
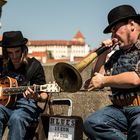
<point>61,128</point>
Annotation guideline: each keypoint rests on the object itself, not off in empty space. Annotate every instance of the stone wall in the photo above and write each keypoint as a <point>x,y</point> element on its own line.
<point>83,102</point>
<point>49,72</point>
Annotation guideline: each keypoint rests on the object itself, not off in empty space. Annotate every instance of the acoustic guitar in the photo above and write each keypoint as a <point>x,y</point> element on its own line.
<point>9,90</point>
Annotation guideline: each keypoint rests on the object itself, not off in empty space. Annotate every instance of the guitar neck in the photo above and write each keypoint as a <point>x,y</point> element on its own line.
<point>36,88</point>
<point>19,90</point>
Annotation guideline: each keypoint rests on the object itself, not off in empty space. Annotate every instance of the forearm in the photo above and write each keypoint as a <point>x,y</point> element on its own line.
<point>99,63</point>
<point>123,80</point>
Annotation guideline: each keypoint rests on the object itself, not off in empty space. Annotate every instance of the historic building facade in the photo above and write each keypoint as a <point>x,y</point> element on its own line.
<point>45,50</point>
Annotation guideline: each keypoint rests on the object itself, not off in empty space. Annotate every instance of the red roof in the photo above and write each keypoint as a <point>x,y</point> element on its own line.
<point>79,35</point>
<point>54,42</point>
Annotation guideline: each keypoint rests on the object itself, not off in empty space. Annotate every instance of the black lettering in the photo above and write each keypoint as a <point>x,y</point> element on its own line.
<point>64,129</point>
<point>67,129</point>
<point>57,121</point>
<point>56,128</point>
<point>73,123</point>
<point>51,120</point>
<point>68,122</point>
<point>62,121</point>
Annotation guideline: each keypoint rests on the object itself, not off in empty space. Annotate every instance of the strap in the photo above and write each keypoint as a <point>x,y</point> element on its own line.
<point>132,99</point>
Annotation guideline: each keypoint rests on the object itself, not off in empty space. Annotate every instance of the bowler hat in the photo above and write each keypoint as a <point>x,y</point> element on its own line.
<point>120,13</point>
<point>2,2</point>
<point>13,39</point>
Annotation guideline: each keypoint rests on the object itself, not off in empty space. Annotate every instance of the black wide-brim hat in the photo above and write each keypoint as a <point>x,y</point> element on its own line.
<point>13,39</point>
<point>2,2</point>
<point>120,13</point>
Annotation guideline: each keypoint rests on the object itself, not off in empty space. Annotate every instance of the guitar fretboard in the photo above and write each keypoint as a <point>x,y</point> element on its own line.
<point>37,88</point>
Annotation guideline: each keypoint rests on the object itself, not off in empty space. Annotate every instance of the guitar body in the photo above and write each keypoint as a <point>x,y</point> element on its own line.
<point>7,100</point>
<point>9,90</point>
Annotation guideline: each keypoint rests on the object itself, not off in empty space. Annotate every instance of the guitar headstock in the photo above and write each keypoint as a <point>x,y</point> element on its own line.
<point>50,87</point>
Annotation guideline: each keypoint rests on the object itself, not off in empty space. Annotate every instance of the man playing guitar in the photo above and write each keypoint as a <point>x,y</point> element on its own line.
<point>18,69</point>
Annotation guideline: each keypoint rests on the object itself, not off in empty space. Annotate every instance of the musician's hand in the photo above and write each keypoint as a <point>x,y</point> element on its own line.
<point>30,94</point>
<point>86,83</point>
<point>110,43</point>
<point>96,82</point>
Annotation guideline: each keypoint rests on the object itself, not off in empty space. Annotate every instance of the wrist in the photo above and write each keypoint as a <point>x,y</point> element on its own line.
<point>37,98</point>
<point>104,81</point>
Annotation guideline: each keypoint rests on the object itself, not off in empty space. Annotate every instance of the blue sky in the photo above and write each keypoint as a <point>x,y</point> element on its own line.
<point>60,19</point>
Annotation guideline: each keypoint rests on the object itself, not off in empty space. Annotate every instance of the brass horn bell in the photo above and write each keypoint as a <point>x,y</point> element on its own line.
<point>68,77</point>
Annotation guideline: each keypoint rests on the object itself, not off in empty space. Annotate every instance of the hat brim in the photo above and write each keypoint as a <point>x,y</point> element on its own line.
<point>108,28</point>
<point>14,44</point>
<point>2,2</point>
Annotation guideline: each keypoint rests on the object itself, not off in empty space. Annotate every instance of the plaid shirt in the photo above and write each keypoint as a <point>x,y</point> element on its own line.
<point>124,61</point>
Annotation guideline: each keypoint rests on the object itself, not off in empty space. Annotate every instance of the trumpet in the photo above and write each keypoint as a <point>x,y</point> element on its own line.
<point>68,76</point>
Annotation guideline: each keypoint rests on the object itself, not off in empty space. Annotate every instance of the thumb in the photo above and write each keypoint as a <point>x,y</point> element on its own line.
<point>95,73</point>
